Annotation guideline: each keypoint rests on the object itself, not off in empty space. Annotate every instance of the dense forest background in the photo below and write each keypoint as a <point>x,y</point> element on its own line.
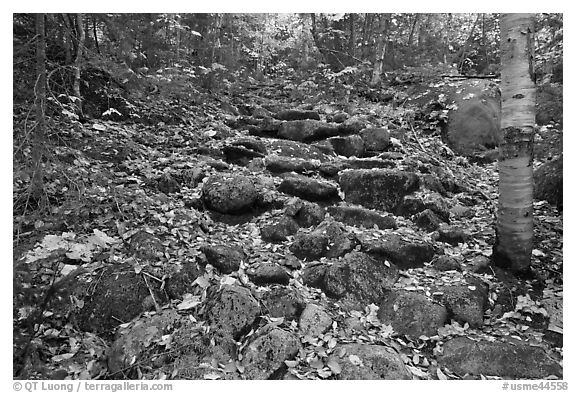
<point>191,198</point>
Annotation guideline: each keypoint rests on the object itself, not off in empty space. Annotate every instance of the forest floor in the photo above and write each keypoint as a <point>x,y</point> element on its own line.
<point>106,181</point>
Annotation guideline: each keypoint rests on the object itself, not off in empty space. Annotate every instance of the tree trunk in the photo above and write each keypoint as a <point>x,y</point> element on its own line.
<point>514,222</point>
<point>94,31</point>
<point>37,185</point>
<point>352,37</point>
<point>412,30</point>
<point>78,63</point>
<point>380,51</point>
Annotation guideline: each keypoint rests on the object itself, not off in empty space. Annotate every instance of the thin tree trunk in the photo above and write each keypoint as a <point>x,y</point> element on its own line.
<point>94,31</point>
<point>412,29</point>
<point>78,63</point>
<point>37,186</point>
<point>514,223</point>
<point>352,37</point>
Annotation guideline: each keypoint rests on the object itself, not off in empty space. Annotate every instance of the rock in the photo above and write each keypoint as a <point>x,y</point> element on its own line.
<point>331,169</point>
<point>134,340</point>
<point>352,125</point>
<point>253,144</point>
<point>476,121</point>
<point>427,220</point>
<point>358,279</point>
<point>294,149</point>
<point>229,194</point>
<point>369,362</point>
<point>261,113</point>
<point>283,302</point>
<point>307,130</point>
<point>402,253</point>
<point>294,114</point>
<point>266,127</point>
<point>466,303</point>
<point>193,351</point>
<point>167,184</point>
<point>180,280</point>
<point>325,147</point>
<point>379,189</point>
<point>305,213</point>
<point>314,320</point>
<point>360,217</point>
<point>309,189</point>
<point>279,232</point>
<point>548,182</point>
<point>337,117</point>
<point>145,245</point>
<point>480,264</point>
<point>412,314</point>
<point>329,239</point>
<point>268,273</point>
<point>452,235</point>
<point>118,296</point>
<point>226,259</point>
<point>313,274</point>
<point>446,263</point>
<point>266,354</point>
<point>369,163</point>
<point>232,310</point>
<point>192,177</point>
<point>309,246</point>
<point>348,146</point>
<point>375,139</point>
<point>460,211</point>
<point>412,204</point>
<point>279,164</point>
<point>508,360</point>
<point>240,155</point>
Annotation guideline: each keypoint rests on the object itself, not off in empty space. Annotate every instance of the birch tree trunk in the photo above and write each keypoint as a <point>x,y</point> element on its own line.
<point>514,222</point>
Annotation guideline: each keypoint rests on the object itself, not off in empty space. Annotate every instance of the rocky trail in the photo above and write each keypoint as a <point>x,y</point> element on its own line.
<point>267,236</point>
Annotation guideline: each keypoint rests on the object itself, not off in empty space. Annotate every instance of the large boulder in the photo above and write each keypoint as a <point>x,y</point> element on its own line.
<point>266,354</point>
<point>475,124</point>
<point>133,341</point>
<point>358,280</point>
<point>308,188</point>
<point>279,164</point>
<point>226,259</point>
<point>548,182</point>
<point>280,230</point>
<point>232,310</point>
<point>329,239</point>
<point>284,302</point>
<point>369,362</point>
<point>466,303</point>
<point>379,189</point>
<point>314,320</point>
<point>117,296</point>
<point>307,130</point>
<point>295,114</point>
<point>268,273</point>
<point>403,253</point>
<point>285,148</point>
<point>229,194</point>
<point>360,217</point>
<point>306,214</point>
<point>375,139</point>
<point>348,146</point>
<point>412,314</point>
<point>508,360</point>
